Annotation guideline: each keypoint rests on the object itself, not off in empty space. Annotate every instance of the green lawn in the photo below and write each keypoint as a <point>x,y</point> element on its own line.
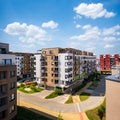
<point>33,88</point>
<point>84,96</point>
<point>25,114</point>
<point>52,95</point>
<point>70,100</point>
<point>93,114</point>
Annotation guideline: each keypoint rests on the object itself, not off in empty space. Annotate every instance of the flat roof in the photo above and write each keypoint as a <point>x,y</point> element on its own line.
<point>115,78</point>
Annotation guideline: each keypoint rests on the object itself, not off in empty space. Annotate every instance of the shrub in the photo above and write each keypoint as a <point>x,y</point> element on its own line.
<point>58,91</point>
<point>22,85</point>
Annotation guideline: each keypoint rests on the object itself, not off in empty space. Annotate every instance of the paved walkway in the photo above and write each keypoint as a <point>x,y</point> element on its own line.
<point>42,94</point>
<point>61,99</point>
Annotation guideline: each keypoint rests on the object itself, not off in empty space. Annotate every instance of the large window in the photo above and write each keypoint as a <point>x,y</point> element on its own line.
<point>68,57</point>
<point>12,73</point>
<point>68,63</point>
<point>12,109</point>
<point>12,85</point>
<point>51,51</point>
<point>3,75</point>
<point>8,61</point>
<point>3,89</point>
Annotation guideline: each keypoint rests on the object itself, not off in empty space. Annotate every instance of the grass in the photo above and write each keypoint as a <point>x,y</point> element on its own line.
<point>93,114</point>
<point>25,114</point>
<point>33,88</point>
<point>70,100</point>
<point>84,96</point>
<point>52,95</point>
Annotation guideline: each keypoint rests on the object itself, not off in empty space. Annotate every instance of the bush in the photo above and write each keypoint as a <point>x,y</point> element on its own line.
<point>58,91</point>
<point>22,85</point>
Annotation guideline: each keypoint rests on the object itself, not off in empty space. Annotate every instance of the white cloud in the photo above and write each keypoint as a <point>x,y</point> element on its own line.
<point>108,46</point>
<point>77,17</point>
<point>91,49</point>
<point>108,39</point>
<point>115,30</point>
<point>93,10</point>
<point>51,24</point>
<point>86,27</point>
<point>78,26</point>
<point>27,33</point>
<point>90,34</point>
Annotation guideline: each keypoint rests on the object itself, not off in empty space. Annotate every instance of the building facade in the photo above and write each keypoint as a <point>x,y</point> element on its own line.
<point>112,97</point>
<point>58,67</point>
<point>23,63</point>
<point>8,89</point>
<point>107,61</point>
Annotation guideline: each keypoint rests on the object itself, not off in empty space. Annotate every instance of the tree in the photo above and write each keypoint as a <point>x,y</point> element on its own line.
<point>101,112</point>
<point>60,117</point>
<point>58,91</point>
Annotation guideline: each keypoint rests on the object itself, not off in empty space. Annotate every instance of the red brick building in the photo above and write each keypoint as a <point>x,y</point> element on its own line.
<point>107,61</point>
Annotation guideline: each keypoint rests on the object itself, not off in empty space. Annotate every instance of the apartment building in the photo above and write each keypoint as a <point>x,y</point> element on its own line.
<point>57,67</point>
<point>19,64</point>
<point>8,90</point>
<point>23,63</point>
<point>107,61</point>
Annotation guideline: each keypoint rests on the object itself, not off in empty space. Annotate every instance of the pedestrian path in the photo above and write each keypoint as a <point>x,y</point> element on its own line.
<point>82,115</point>
<point>43,93</point>
<point>61,99</point>
<point>76,98</point>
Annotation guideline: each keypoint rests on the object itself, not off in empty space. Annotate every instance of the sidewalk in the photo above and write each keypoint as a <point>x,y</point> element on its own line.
<point>82,115</point>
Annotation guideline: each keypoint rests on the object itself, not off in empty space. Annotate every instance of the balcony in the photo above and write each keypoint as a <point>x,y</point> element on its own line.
<point>43,63</point>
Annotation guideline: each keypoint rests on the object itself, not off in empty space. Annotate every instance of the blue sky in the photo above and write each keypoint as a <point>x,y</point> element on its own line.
<point>89,25</point>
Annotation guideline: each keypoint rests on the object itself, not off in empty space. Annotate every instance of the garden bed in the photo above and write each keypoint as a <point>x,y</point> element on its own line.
<point>32,88</point>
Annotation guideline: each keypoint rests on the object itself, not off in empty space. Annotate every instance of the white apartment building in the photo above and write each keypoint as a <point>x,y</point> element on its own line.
<point>19,65</point>
<point>65,69</point>
<point>37,68</point>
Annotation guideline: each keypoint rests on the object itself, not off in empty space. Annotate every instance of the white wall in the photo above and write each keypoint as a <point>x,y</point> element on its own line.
<point>19,65</point>
<point>37,68</point>
<point>62,66</point>
<point>7,56</point>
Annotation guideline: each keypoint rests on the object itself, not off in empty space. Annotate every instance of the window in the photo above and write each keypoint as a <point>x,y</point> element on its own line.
<point>2,114</point>
<point>12,109</point>
<point>3,101</point>
<point>12,85</point>
<point>3,51</point>
<point>68,57</point>
<point>51,51</point>
<point>66,76</point>
<point>3,75</point>
<point>3,89</point>
<point>12,96</point>
<point>12,73</point>
<point>68,63</point>
<point>56,81</point>
<point>8,61</point>
<point>43,52</point>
